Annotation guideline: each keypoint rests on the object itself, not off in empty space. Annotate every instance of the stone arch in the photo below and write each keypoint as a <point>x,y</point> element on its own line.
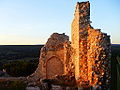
<point>54,66</point>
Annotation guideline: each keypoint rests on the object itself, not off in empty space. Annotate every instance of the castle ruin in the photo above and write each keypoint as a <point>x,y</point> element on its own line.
<point>86,56</point>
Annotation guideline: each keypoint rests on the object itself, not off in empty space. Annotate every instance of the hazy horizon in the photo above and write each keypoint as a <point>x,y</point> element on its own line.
<point>28,22</point>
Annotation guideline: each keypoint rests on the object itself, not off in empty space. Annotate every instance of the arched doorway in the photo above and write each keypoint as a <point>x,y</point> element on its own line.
<point>54,67</point>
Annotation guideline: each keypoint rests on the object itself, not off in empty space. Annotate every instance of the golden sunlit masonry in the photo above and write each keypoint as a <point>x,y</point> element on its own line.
<point>86,57</point>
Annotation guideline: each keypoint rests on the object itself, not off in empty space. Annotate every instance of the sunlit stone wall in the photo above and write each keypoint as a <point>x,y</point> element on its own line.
<point>91,50</point>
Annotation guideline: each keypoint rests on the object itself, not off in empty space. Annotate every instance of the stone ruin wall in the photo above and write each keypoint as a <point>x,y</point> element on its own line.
<point>92,50</point>
<point>87,56</point>
<point>98,58</point>
<point>55,57</point>
<point>79,40</point>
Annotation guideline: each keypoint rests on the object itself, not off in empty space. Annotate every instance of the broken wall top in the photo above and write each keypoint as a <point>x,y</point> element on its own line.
<point>56,41</point>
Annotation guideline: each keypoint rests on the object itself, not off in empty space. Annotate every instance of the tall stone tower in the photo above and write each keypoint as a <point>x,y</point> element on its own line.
<point>80,26</point>
<point>91,50</point>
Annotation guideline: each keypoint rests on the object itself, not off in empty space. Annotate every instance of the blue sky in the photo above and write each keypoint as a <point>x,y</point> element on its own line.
<point>30,22</point>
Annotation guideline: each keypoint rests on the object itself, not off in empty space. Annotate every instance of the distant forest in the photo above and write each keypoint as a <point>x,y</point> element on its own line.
<point>19,60</point>
<point>15,52</point>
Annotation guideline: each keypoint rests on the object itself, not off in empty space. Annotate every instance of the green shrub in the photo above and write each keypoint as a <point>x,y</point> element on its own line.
<point>118,73</point>
<point>12,85</point>
<point>20,68</point>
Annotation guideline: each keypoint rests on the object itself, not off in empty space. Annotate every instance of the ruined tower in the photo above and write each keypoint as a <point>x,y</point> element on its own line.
<point>91,50</point>
<point>79,39</point>
<point>86,57</point>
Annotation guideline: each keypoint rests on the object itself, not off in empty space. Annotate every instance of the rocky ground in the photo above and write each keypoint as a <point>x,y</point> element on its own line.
<point>22,83</point>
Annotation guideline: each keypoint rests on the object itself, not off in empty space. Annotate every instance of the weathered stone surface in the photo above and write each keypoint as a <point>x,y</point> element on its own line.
<point>54,57</point>
<point>92,50</point>
<point>86,57</point>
